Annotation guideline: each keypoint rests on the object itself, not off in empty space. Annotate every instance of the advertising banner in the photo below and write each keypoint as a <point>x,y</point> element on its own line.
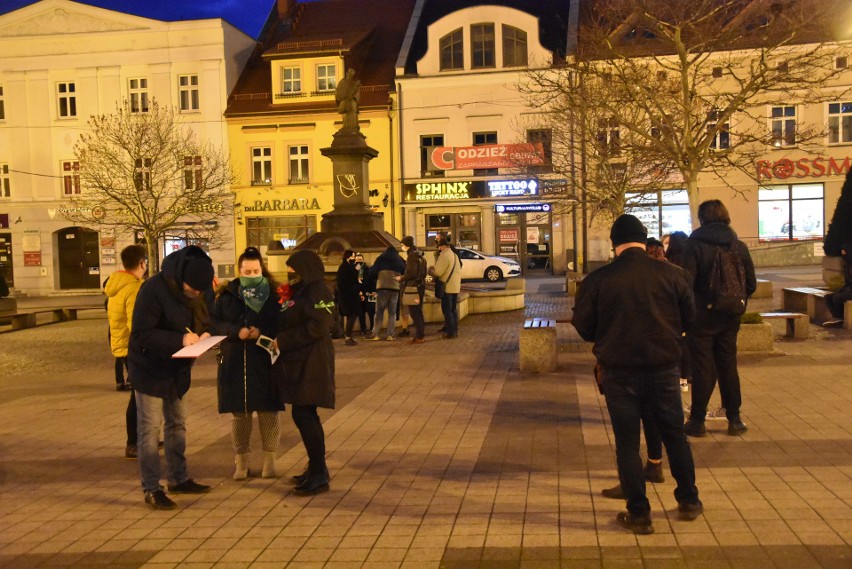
<point>486,156</point>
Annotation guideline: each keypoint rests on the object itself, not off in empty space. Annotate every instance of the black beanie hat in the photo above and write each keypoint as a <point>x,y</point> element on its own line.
<point>198,272</point>
<point>408,241</point>
<point>627,229</point>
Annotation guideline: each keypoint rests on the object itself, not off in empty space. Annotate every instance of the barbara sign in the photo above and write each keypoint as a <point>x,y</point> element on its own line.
<point>486,156</point>
<point>802,168</point>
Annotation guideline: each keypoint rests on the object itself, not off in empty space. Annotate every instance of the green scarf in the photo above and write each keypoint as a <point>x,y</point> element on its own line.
<point>254,291</point>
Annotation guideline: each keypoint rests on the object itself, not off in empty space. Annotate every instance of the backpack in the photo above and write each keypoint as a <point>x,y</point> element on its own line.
<point>726,283</point>
<point>420,279</point>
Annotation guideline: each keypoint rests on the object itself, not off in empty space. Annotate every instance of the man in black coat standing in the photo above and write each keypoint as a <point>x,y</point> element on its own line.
<point>635,310</point>
<point>172,311</point>
<point>713,338</point>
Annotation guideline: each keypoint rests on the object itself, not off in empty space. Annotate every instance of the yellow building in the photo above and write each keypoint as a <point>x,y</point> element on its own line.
<point>283,112</point>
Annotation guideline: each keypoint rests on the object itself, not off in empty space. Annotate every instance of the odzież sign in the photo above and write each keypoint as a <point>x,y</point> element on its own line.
<point>486,156</point>
<point>802,168</point>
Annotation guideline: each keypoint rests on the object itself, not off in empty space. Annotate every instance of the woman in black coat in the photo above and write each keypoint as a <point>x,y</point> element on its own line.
<point>348,295</point>
<point>244,311</point>
<point>305,371</point>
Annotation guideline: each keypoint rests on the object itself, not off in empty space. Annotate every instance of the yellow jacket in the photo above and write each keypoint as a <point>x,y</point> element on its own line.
<point>121,289</point>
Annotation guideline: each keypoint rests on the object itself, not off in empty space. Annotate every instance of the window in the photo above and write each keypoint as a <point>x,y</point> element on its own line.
<point>514,47</point>
<point>609,137</point>
<point>722,137</point>
<point>326,77</point>
<point>142,174</point>
<point>661,212</point>
<point>784,126</point>
<point>480,138</point>
<point>2,105</point>
<point>544,137</point>
<point>66,99</point>
<point>188,92</point>
<point>840,122</point>
<point>790,212</point>
<point>452,51</point>
<point>427,145</point>
<point>70,178</point>
<point>261,166</point>
<point>279,232</point>
<point>482,45</point>
<point>192,173</point>
<point>5,181</point>
<point>138,95</point>
<point>299,165</point>
<point>291,80</point>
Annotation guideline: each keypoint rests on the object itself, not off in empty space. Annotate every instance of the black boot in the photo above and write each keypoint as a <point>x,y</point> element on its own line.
<point>314,484</point>
<point>300,478</point>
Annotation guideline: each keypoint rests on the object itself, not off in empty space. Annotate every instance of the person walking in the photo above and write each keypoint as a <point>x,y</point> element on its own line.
<point>713,338</point>
<point>635,310</point>
<point>121,289</point>
<point>304,372</point>
<point>172,311</point>
<point>447,270</point>
<point>245,311</point>
<point>348,294</point>
<point>413,287</point>
<point>387,266</point>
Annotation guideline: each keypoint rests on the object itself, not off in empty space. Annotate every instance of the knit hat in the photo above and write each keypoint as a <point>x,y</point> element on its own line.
<point>627,229</point>
<point>198,272</point>
<point>408,241</point>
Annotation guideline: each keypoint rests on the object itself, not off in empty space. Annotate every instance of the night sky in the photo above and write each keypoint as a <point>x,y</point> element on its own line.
<point>247,15</point>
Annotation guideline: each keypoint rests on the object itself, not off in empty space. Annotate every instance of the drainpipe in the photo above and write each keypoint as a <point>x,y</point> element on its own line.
<point>392,184</point>
<point>401,156</point>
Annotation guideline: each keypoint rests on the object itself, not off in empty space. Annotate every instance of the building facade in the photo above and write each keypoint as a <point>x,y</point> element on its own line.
<point>62,62</point>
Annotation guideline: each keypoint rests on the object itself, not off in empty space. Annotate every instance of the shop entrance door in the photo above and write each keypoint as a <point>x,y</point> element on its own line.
<point>6,267</point>
<point>526,237</point>
<point>79,265</point>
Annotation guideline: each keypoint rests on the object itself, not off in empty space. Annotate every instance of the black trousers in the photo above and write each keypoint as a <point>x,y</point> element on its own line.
<point>308,422</point>
<point>713,350</point>
<point>130,419</point>
<point>416,311</point>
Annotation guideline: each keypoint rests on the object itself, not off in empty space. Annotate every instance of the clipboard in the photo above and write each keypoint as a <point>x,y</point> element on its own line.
<point>199,347</point>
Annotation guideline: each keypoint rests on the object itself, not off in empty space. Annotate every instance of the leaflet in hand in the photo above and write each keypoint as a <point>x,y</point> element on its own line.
<point>199,347</point>
<point>270,346</point>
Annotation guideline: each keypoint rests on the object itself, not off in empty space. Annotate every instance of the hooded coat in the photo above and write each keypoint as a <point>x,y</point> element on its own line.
<point>388,265</point>
<point>348,293</point>
<point>160,318</point>
<point>304,372</point>
<point>245,369</point>
<point>121,289</point>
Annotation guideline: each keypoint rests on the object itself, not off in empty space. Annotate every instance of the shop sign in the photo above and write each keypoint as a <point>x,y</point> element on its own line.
<point>552,187</point>
<point>506,188</point>
<point>283,205</point>
<point>802,168</point>
<point>32,259</point>
<point>522,208</point>
<point>508,234</point>
<point>486,156</point>
<point>442,191</point>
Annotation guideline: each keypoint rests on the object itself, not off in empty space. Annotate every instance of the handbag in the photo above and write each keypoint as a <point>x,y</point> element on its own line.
<point>411,296</point>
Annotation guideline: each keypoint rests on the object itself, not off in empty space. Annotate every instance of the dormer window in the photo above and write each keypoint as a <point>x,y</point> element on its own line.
<point>452,51</point>
<point>514,47</point>
<point>482,45</point>
<point>326,77</point>
<point>291,80</point>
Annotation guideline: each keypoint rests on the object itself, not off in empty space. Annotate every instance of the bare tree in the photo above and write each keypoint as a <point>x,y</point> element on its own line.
<point>689,83</point>
<point>146,172</point>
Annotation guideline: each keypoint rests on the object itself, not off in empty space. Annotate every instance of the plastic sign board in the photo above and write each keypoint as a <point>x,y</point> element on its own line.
<point>506,188</point>
<point>486,156</point>
<point>522,208</point>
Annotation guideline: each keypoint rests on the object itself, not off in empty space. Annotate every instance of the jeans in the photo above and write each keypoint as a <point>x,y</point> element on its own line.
<point>629,393</point>
<point>713,349</point>
<point>416,311</point>
<point>386,302</point>
<point>451,314</point>
<point>151,411</point>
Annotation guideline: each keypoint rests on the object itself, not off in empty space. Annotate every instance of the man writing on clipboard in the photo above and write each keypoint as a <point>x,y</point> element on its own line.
<point>172,311</point>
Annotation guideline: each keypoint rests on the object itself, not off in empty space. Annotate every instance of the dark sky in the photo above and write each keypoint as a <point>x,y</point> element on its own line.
<point>247,15</point>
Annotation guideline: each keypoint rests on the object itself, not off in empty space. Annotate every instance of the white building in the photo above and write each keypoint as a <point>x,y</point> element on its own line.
<point>60,63</point>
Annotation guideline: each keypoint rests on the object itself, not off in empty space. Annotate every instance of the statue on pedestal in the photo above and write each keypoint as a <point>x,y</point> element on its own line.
<point>347,95</point>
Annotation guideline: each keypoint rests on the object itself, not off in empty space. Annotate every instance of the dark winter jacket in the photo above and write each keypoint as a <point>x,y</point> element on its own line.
<point>305,370</point>
<point>348,296</point>
<point>161,316</point>
<point>244,380</point>
<point>698,257</point>
<point>635,310</point>
<point>387,265</point>
<point>412,278</point>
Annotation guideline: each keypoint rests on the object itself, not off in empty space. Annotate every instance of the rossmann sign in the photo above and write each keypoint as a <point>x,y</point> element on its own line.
<point>486,156</point>
<point>806,167</point>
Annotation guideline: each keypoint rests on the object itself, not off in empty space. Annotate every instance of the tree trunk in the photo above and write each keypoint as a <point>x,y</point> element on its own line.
<point>694,197</point>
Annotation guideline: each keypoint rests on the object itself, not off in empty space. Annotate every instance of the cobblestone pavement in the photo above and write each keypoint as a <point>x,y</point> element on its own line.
<point>442,455</point>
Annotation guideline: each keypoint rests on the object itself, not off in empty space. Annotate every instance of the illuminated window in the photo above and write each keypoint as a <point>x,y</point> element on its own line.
<point>326,77</point>
<point>452,51</point>
<point>790,212</point>
<point>66,98</point>
<point>279,232</point>
<point>291,80</point>
<point>188,92</point>
<point>138,91</point>
<point>70,178</point>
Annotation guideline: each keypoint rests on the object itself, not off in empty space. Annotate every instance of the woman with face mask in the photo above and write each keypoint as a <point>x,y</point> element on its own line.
<point>348,295</point>
<point>247,310</point>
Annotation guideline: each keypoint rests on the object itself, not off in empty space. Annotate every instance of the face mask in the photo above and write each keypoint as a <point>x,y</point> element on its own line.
<point>248,282</point>
<point>351,261</point>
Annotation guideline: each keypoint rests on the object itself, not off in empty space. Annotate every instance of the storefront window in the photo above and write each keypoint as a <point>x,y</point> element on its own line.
<point>464,229</point>
<point>662,212</point>
<point>791,212</point>
<point>279,233</point>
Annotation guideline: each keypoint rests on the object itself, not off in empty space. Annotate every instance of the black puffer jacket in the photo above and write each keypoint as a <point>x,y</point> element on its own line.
<point>305,370</point>
<point>698,254</point>
<point>161,316</point>
<point>244,380</point>
<point>348,297</point>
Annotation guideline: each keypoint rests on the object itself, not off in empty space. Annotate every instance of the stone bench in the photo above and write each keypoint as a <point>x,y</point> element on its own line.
<point>22,320</point>
<point>538,346</point>
<point>810,301</point>
<point>798,324</point>
<point>763,290</point>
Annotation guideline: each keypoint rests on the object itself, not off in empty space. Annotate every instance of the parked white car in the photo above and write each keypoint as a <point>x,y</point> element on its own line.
<point>476,265</point>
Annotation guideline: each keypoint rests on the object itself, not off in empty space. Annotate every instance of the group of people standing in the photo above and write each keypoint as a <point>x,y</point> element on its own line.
<point>638,310</point>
